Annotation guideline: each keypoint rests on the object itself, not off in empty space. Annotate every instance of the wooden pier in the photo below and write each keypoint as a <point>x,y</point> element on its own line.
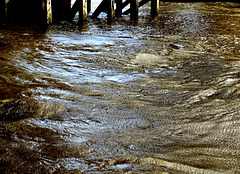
<point>45,12</point>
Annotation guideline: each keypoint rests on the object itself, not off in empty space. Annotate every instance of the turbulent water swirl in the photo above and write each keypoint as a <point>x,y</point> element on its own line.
<point>157,95</point>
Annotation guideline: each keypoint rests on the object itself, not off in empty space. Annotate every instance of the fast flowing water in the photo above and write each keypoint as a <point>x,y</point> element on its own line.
<point>157,95</point>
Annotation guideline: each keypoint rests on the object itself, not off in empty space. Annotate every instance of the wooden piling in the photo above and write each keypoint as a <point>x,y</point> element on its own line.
<point>154,7</point>
<point>119,7</point>
<point>61,9</point>
<point>9,9</point>
<point>110,10</point>
<point>89,6</point>
<point>105,6</point>
<point>49,12</point>
<point>83,12</point>
<point>2,11</point>
<point>134,6</point>
<point>46,12</point>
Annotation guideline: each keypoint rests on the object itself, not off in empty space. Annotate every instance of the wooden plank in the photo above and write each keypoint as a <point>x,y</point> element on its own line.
<point>74,10</point>
<point>100,8</point>
<point>141,3</point>
<point>126,3</point>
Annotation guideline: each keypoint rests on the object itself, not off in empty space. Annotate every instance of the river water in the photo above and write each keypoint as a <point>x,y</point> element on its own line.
<point>150,96</point>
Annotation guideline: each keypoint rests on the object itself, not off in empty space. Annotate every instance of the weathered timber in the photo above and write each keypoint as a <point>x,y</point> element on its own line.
<point>74,10</point>
<point>134,6</point>
<point>2,11</point>
<point>154,7</point>
<point>26,11</point>
<point>9,11</point>
<point>105,6</point>
<point>49,12</point>
<point>83,13</point>
<point>100,8</point>
<point>110,10</point>
<point>61,9</point>
<point>119,7</point>
<point>89,6</point>
<point>46,12</point>
<point>126,3</point>
<point>141,3</point>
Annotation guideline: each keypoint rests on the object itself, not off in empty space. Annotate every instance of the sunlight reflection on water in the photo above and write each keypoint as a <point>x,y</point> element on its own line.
<point>158,95</point>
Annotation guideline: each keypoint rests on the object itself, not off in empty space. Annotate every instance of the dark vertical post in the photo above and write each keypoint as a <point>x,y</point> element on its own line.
<point>110,10</point>
<point>2,11</point>
<point>154,7</point>
<point>89,6</point>
<point>83,14</point>
<point>61,9</point>
<point>43,13</point>
<point>68,4</point>
<point>134,6</point>
<point>119,7</point>
<point>9,9</point>
<point>49,12</point>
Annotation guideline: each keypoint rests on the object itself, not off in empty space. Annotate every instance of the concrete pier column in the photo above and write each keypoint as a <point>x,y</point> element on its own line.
<point>134,6</point>
<point>83,12</point>
<point>154,7</point>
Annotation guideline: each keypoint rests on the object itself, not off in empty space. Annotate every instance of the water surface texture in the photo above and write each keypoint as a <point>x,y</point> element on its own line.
<point>157,95</point>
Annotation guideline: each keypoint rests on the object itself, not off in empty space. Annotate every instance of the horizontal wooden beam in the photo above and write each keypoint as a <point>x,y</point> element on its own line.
<point>100,8</point>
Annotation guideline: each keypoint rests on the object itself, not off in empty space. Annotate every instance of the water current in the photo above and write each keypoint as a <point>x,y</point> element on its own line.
<point>149,96</point>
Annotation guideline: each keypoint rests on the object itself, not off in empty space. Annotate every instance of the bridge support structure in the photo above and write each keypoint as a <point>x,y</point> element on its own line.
<point>46,11</point>
<point>2,11</point>
<point>26,11</point>
<point>120,5</point>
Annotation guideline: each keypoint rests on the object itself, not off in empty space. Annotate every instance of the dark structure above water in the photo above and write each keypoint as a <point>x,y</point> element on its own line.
<point>43,12</point>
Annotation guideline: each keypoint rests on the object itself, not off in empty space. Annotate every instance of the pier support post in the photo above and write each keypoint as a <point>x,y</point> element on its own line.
<point>134,6</point>
<point>154,7</point>
<point>49,11</point>
<point>119,7</point>
<point>61,9</point>
<point>83,11</point>
<point>89,6</point>
<point>46,12</point>
<point>2,11</point>
<point>105,6</point>
<point>110,10</point>
<point>9,6</point>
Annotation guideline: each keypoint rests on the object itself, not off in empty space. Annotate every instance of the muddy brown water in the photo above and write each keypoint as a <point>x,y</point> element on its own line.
<point>152,96</point>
